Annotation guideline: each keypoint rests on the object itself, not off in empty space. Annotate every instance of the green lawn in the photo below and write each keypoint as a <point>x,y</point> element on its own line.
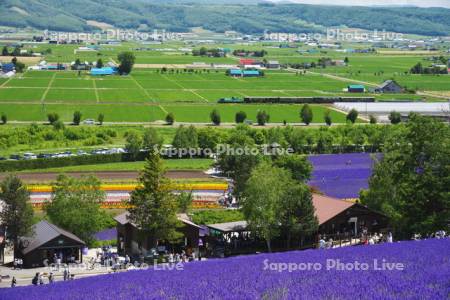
<point>170,164</point>
<point>278,113</point>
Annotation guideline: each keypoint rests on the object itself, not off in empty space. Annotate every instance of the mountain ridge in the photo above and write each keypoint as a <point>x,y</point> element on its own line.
<point>249,18</point>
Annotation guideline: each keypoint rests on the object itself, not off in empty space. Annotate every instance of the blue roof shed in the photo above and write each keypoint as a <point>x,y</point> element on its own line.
<point>102,71</point>
<point>251,73</point>
<point>235,72</point>
<point>8,67</point>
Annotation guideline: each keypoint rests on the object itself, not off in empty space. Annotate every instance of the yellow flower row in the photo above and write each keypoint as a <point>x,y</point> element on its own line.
<point>124,205</point>
<point>131,187</point>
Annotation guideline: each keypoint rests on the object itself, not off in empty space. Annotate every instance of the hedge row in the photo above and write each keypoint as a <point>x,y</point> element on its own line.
<point>311,100</point>
<point>45,163</point>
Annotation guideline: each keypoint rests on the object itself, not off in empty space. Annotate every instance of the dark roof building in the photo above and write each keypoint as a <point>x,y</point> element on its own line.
<point>47,241</point>
<point>134,242</point>
<point>389,86</point>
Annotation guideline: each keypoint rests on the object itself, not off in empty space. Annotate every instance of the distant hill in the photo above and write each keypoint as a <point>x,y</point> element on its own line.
<point>250,17</point>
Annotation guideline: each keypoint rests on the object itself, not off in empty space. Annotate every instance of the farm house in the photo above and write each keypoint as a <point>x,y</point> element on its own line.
<point>389,86</point>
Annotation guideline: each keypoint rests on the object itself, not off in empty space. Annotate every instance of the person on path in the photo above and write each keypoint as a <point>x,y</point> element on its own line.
<point>13,282</point>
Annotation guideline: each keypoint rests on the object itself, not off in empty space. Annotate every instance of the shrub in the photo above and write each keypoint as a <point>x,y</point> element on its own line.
<point>262,117</point>
<point>58,125</point>
<point>100,119</point>
<point>395,117</point>
<point>215,117</point>
<point>240,117</point>
<point>352,116</point>
<point>170,118</point>
<point>76,118</point>
<point>52,117</point>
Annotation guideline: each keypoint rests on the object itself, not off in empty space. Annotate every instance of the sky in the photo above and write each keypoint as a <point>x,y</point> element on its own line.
<point>421,3</point>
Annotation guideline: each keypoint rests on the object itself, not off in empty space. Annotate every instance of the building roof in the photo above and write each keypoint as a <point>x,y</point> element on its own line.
<point>328,207</point>
<point>236,72</point>
<point>251,72</point>
<point>246,61</point>
<point>386,83</point>
<point>44,232</point>
<point>123,219</point>
<point>356,86</point>
<point>229,226</point>
<point>102,71</point>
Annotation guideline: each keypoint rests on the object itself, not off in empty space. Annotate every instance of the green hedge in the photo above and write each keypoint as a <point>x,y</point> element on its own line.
<point>45,163</point>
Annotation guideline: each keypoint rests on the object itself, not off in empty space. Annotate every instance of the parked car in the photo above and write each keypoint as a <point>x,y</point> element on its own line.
<point>15,157</point>
<point>82,152</point>
<point>44,155</point>
<point>89,122</point>
<point>29,156</point>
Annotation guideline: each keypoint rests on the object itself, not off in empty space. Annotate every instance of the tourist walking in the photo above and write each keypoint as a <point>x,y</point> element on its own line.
<point>13,282</point>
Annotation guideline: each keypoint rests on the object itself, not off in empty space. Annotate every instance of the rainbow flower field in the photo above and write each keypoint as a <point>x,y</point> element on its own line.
<point>425,275</point>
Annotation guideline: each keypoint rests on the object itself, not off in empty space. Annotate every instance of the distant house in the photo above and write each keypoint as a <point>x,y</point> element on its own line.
<point>246,61</point>
<point>356,88</point>
<point>273,64</point>
<point>103,71</point>
<point>135,242</point>
<point>47,241</point>
<point>389,86</point>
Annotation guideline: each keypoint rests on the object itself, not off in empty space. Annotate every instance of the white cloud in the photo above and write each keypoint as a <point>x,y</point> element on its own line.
<point>420,3</point>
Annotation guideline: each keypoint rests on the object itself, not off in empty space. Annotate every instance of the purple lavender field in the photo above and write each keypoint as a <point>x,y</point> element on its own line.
<point>426,275</point>
<point>341,175</point>
<point>106,235</point>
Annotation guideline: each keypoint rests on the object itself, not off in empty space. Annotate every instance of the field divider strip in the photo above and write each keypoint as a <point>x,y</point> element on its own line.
<point>147,94</point>
<point>96,91</point>
<point>4,83</point>
<point>48,88</point>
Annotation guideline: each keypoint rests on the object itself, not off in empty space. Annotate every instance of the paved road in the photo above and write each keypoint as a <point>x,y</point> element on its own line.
<point>103,175</point>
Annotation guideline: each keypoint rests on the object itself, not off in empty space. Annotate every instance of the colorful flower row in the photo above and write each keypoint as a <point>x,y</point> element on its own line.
<point>131,187</point>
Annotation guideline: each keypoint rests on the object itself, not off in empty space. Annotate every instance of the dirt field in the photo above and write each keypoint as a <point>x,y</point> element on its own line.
<point>24,59</point>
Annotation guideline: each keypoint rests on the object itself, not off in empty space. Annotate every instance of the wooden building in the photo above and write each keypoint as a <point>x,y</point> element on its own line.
<point>337,219</point>
<point>46,241</point>
<point>135,242</point>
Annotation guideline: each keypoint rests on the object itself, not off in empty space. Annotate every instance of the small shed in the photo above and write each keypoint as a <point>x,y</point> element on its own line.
<point>46,241</point>
<point>389,86</point>
<point>251,73</point>
<point>9,67</point>
<point>356,88</point>
<point>235,72</point>
<point>103,71</point>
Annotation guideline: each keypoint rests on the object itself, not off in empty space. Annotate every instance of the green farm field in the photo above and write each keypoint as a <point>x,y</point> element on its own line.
<point>147,95</point>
